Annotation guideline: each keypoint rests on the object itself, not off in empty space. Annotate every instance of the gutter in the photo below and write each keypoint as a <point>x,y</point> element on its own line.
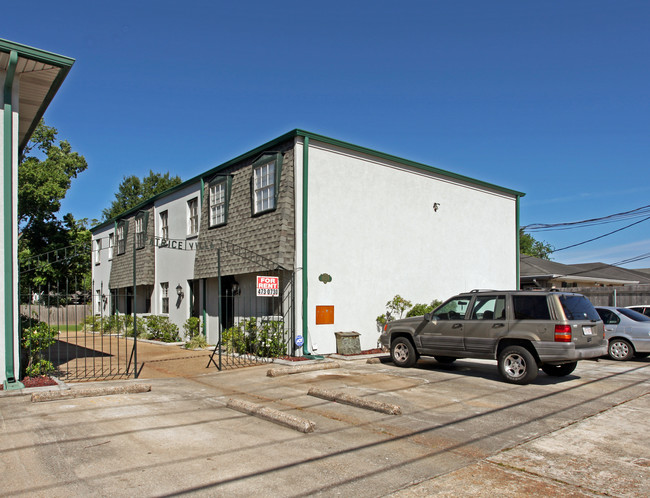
<point>305,292</point>
<point>8,242</point>
<point>305,225</point>
<point>518,248</point>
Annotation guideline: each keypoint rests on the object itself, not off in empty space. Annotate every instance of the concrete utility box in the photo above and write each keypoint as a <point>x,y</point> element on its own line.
<point>347,342</point>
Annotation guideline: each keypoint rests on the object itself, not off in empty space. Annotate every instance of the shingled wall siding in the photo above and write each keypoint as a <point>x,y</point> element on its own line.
<point>271,235</point>
<point>122,267</point>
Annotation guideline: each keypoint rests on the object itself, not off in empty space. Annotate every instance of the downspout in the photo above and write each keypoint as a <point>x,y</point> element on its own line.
<point>10,219</point>
<point>305,290</point>
<point>518,248</point>
<point>305,196</point>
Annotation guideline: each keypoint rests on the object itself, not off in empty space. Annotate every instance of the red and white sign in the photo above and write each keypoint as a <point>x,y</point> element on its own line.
<point>268,286</point>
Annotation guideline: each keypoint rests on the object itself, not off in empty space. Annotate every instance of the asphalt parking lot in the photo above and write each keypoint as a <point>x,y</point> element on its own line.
<point>461,431</point>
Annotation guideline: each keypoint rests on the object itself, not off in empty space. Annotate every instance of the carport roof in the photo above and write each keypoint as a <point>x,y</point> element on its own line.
<point>40,74</point>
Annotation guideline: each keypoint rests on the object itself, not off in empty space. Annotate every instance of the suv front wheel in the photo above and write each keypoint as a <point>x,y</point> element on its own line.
<point>517,365</point>
<point>403,353</point>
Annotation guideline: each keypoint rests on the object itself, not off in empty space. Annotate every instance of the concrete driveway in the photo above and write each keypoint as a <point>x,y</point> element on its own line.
<point>462,431</point>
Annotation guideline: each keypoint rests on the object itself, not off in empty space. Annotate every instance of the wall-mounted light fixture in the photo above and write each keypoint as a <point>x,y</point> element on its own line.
<point>179,291</point>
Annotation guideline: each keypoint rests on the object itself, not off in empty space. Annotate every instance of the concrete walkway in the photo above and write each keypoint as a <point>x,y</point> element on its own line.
<point>461,432</point>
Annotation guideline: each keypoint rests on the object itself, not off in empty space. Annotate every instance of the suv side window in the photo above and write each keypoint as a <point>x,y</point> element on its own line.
<point>454,309</point>
<point>530,307</point>
<point>489,308</point>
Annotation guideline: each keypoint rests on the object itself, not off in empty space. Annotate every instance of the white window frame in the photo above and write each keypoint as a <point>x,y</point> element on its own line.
<point>121,238</point>
<point>164,225</point>
<point>98,250</point>
<point>264,187</point>
<point>193,216</point>
<point>111,244</point>
<point>217,198</point>
<point>139,232</point>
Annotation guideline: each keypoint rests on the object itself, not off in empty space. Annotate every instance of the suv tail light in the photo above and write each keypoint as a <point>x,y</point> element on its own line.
<point>563,333</point>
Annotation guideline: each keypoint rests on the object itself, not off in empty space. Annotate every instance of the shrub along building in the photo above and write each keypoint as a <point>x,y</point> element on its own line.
<point>308,232</point>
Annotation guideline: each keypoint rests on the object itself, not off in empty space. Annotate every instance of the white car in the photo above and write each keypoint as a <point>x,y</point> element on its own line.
<point>627,331</point>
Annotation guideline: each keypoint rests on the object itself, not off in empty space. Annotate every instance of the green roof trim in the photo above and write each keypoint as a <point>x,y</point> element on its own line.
<point>318,138</point>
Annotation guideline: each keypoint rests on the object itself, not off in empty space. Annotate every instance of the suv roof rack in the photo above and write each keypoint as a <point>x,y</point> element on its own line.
<point>481,290</point>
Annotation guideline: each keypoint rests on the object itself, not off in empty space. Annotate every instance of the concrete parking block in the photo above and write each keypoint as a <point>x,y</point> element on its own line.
<point>276,416</point>
<point>367,404</point>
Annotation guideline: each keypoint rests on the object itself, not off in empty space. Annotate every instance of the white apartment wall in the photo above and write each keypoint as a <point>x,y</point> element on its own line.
<point>175,262</point>
<point>101,272</point>
<point>373,229</point>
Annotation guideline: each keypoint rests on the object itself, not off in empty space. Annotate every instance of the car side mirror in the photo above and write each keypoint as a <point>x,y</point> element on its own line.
<point>429,317</point>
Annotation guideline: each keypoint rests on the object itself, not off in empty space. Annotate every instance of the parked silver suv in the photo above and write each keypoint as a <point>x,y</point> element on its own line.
<point>522,330</point>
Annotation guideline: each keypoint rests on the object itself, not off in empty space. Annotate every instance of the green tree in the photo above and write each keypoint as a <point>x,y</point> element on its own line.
<point>530,246</point>
<point>132,191</point>
<point>45,177</point>
<point>45,174</point>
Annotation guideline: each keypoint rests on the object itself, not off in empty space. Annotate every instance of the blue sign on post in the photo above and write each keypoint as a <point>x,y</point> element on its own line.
<point>299,340</point>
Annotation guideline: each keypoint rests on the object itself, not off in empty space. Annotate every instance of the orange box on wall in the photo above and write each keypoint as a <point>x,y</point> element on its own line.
<point>324,315</point>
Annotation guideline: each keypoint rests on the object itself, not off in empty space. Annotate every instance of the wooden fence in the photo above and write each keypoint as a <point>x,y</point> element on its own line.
<point>627,295</point>
<point>71,314</point>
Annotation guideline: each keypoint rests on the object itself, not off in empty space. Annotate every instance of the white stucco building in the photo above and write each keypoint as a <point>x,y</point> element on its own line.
<point>342,227</point>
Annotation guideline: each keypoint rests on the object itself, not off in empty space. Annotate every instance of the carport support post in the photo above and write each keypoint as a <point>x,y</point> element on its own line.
<point>11,299</point>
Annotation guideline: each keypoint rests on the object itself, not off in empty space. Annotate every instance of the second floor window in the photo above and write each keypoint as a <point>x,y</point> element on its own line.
<point>217,204</point>
<point>193,216</point>
<point>139,232</point>
<point>98,250</point>
<point>164,225</point>
<point>121,238</point>
<point>264,187</point>
<point>111,244</point>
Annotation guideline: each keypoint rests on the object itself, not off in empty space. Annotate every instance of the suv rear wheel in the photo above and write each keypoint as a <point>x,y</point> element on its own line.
<point>403,353</point>
<point>559,370</point>
<point>517,365</point>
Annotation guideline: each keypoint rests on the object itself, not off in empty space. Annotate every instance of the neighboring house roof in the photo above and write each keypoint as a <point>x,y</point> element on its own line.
<point>532,269</point>
<point>41,74</point>
<point>614,272</point>
<point>323,139</point>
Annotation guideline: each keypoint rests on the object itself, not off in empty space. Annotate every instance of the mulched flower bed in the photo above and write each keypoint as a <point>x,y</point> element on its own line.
<point>302,358</point>
<point>366,351</point>
<point>40,381</point>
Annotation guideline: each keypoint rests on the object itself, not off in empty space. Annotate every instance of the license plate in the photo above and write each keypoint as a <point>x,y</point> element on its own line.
<point>587,330</point>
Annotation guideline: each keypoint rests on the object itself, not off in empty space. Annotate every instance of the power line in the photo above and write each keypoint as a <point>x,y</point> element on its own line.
<point>600,236</point>
<point>634,213</point>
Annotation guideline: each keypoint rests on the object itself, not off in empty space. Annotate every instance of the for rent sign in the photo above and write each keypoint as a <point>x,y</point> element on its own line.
<point>268,286</point>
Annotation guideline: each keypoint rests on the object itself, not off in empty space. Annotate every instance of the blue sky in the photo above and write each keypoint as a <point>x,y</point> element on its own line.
<point>548,98</point>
